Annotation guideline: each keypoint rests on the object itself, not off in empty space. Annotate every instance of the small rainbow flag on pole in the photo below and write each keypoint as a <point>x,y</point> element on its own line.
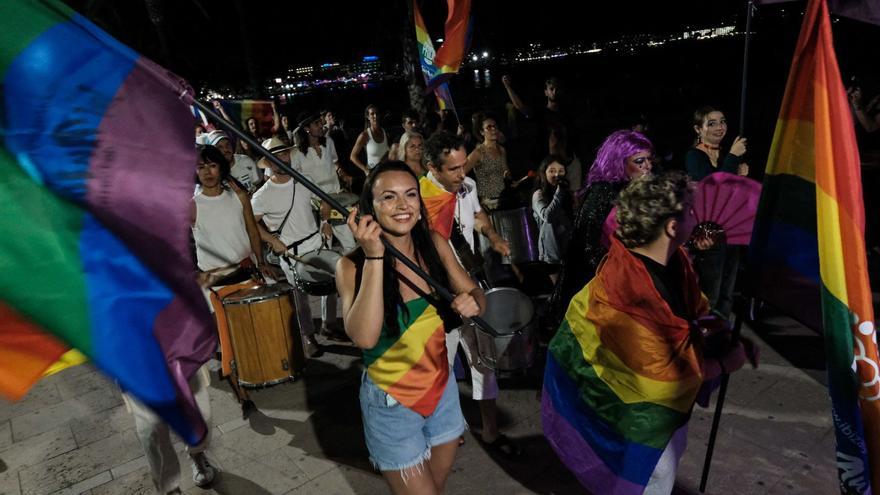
<point>438,67</point>
<point>809,245</point>
<point>97,158</point>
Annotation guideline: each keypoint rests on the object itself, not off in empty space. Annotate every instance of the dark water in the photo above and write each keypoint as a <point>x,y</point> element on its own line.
<point>605,92</point>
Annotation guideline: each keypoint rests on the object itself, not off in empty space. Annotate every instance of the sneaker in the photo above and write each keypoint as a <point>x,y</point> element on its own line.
<point>203,472</point>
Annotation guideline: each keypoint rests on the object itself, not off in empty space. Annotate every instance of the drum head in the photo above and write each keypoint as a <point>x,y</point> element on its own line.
<point>508,310</point>
<point>257,293</point>
<point>317,266</point>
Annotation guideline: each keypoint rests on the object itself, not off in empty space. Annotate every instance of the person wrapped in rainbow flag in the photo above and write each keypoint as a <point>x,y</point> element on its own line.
<point>627,363</point>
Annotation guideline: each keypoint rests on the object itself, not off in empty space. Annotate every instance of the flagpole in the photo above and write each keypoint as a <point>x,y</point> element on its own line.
<point>442,291</point>
<point>719,405</point>
<point>750,7</point>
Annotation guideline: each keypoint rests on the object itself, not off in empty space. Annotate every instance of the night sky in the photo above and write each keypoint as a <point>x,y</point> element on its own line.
<point>209,40</point>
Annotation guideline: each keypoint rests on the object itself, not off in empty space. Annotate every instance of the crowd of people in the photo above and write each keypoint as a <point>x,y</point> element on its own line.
<point>429,188</point>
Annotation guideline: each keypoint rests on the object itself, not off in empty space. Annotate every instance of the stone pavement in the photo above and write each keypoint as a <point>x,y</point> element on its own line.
<point>72,434</point>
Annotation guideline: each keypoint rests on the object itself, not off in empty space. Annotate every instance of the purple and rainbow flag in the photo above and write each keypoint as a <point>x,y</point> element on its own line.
<point>98,163</point>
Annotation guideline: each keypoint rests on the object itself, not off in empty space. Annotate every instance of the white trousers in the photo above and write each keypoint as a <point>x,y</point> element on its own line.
<point>155,436</point>
<point>483,383</point>
<point>662,480</point>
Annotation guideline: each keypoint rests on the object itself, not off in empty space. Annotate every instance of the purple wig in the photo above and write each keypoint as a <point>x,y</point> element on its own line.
<point>610,164</point>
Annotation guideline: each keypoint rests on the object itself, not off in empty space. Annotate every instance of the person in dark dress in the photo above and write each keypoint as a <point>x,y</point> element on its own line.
<point>623,156</point>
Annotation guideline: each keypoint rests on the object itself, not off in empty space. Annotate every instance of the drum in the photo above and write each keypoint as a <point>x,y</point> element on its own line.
<point>315,272</point>
<point>347,200</point>
<point>512,315</point>
<point>517,228</point>
<point>266,343</point>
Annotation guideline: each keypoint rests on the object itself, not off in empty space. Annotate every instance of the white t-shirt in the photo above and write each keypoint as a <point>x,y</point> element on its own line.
<point>245,171</point>
<point>273,200</point>
<point>219,232</point>
<point>467,206</point>
<point>320,170</point>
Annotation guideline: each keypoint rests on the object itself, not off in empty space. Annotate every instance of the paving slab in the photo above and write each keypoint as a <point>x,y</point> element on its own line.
<point>47,418</point>
<point>38,449</point>
<point>97,426</point>
<point>9,483</point>
<point>73,467</point>
<point>5,434</point>
<point>42,395</point>
<point>137,482</point>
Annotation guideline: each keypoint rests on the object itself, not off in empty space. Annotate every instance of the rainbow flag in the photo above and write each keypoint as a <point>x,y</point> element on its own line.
<point>412,367</point>
<point>240,111</point>
<point>459,29</point>
<point>440,204</point>
<point>438,67</point>
<point>98,163</point>
<point>808,244</point>
<point>622,376</point>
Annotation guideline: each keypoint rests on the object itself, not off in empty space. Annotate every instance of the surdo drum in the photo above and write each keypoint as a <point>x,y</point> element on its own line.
<point>266,343</point>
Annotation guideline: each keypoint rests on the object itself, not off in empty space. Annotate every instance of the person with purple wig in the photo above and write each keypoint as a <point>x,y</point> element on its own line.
<point>623,156</point>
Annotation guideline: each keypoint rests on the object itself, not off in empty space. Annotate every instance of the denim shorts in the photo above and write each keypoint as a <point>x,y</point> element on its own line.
<point>398,437</point>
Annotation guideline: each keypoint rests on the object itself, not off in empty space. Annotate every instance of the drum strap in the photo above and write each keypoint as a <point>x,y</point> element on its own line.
<point>471,261</point>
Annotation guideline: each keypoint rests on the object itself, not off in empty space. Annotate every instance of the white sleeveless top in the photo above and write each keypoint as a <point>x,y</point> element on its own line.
<point>220,233</point>
<point>375,151</point>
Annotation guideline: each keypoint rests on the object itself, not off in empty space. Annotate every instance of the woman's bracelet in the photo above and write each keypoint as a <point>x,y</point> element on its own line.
<point>374,257</point>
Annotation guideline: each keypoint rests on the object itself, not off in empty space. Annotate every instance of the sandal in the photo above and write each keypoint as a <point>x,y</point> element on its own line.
<point>504,447</point>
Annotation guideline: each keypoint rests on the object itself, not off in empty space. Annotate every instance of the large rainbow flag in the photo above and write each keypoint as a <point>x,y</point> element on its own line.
<point>808,243</point>
<point>622,376</point>
<point>98,162</point>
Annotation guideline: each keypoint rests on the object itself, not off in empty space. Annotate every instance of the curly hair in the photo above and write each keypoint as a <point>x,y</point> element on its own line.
<point>647,203</point>
<point>439,146</point>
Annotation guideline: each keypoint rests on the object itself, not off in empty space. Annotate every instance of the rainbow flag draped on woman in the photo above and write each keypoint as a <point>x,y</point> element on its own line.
<point>97,159</point>
<point>622,376</point>
<point>808,245</point>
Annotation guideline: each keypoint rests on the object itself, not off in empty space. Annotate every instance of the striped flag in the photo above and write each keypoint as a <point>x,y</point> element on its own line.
<point>440,204</point>
<point>438,67</point>
<point>622,376</point>
<point>808,245</point>
<point>98,159</point>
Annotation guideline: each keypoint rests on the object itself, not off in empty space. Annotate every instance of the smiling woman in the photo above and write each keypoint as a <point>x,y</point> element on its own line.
<point>409,401</point>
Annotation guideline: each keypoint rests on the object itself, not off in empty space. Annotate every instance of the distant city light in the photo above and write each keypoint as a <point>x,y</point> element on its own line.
<point>439,40</point>
<point>278,80</point>
<point>485,54</point>
<point>474,58</point>
<point>370,58</point>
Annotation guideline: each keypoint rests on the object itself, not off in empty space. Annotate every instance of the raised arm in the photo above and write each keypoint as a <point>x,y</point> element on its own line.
<point>514,97</point>
<point>363,312</point>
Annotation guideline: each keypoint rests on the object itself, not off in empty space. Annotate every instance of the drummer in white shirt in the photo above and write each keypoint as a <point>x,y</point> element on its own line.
<point>315,156</point>
<point>446,164</point>
<point>285,206</point>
